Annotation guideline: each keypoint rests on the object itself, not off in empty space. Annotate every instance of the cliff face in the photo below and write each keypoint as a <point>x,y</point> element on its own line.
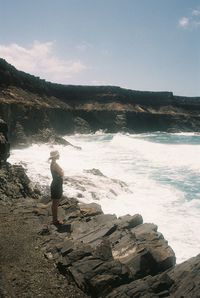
<point>34,104</point>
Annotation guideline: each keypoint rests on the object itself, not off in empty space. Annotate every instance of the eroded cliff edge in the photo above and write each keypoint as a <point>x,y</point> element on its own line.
<point>29,104</point>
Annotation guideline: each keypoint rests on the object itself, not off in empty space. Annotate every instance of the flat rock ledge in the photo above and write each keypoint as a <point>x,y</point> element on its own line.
<point>105,256</point>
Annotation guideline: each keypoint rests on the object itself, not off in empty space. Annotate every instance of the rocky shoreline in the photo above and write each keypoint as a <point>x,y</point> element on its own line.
<point>102,255</point>
<point>99,254</point>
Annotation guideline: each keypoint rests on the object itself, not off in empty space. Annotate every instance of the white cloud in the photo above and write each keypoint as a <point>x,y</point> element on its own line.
<point>184,22</point>
<point>196,12</point>
<point>39,59</point>
<point>84,46</point>
<point>192,21</point>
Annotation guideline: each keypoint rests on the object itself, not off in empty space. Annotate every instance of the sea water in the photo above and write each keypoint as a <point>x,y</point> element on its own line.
<point>160,171</point>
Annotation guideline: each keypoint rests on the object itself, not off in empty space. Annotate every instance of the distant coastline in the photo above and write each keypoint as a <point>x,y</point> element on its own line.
<point>29,104</point>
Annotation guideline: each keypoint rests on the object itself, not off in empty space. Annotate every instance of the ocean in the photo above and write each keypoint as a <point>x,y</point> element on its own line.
<point>154,174</point>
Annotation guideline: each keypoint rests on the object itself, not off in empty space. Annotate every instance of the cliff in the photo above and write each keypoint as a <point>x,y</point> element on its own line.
<point>30,104</point>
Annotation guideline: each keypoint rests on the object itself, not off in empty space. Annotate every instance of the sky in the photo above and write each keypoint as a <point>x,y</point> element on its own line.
<point>149,45</point>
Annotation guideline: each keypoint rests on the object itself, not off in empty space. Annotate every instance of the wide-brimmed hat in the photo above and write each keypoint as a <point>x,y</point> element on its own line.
<point>54,154</point>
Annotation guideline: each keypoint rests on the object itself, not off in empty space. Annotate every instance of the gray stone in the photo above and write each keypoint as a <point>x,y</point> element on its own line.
<point>103,251</point>
<point>129,221</point>
<point>67,247</point>
<point>181,281</point>
<point>91,209</point>
<point>4,143</point>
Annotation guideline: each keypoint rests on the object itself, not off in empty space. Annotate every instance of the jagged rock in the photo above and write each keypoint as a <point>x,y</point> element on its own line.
<point>93,230</point>
<point>182,281</point>
<point>97,277</point>
<point>103,251</point>
<point>143,250</point>
<point>4,149</point>
<point>14,183</point>
<point>81,125</point>
<point>186,278</point>
<point>49,135</point>
<point>96,172</point>
<point>91,209</point>
<point>69,202</point>
<point>129,221</point>
<point>103,244</point>
<point>4,128</point>
<point>67,247</point>
<point>19,137</point>
<point>94,271</point>
<point>75,251</point>
<point>149,287</point>
<point>147,233</point>
<point>121,122</point>
<point>4,143</point>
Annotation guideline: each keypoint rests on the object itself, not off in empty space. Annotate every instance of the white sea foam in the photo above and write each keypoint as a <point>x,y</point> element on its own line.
<point>161,172</point>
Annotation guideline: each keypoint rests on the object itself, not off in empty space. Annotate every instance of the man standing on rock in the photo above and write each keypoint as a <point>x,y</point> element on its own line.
<point>56,185</point>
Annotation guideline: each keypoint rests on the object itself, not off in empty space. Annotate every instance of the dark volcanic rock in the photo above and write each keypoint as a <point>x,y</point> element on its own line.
<point>81,125</point>
<point>104,251</point>
<point>94,270</point>
<point>20,139</point>
<point>4,143</point>
<point>186,279</point>
<point>129,221</point>
<point>148,287</point>
<point>15,184</point>
<point>182,281</point>
<point>48,135</point>
<point>4,128</point>
<point>142,249</point>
